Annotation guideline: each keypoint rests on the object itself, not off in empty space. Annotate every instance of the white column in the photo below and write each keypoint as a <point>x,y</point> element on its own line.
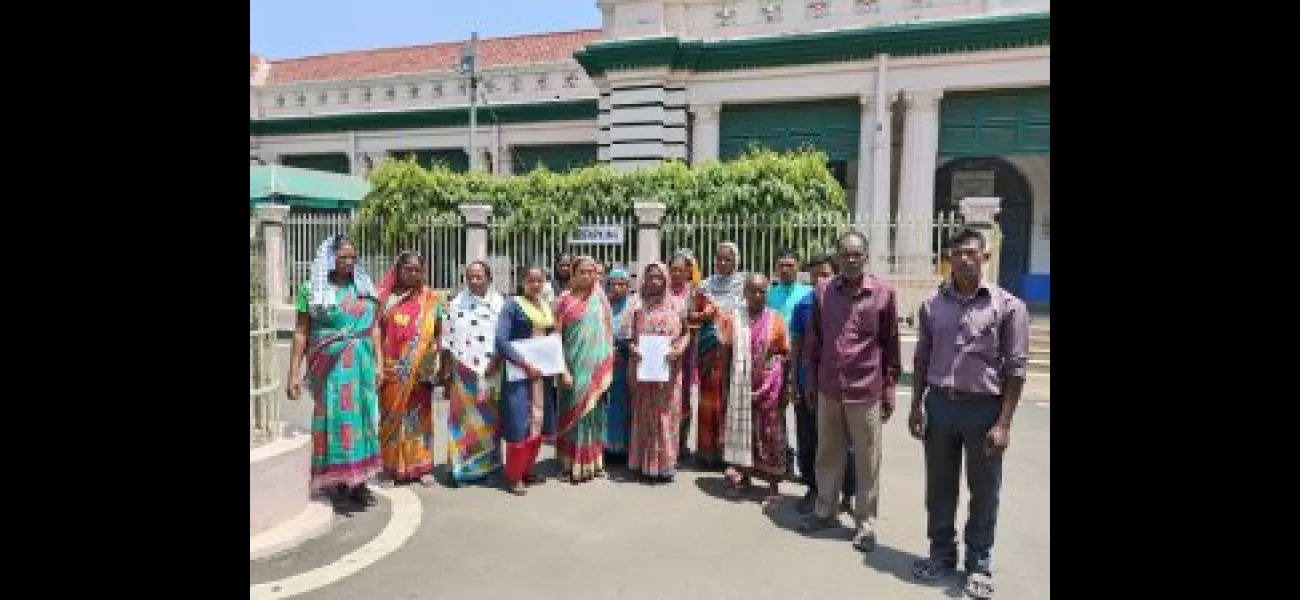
<point>704,133</point>
<point>505,161</point>
<point>916,194</point>
<point>866,143</point>
<point>881,131</point>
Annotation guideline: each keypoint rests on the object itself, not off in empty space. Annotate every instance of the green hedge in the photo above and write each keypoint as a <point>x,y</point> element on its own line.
<point>781,187</point>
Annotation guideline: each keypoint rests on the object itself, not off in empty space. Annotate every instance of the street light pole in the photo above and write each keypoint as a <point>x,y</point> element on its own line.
<point>469,68</point>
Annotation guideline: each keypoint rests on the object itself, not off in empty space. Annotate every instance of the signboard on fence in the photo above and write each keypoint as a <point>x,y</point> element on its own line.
<point>611,235</point>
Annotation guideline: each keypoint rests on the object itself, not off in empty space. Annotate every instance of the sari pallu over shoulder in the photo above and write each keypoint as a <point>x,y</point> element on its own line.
<point>587,332</point>
<point>424,310</point>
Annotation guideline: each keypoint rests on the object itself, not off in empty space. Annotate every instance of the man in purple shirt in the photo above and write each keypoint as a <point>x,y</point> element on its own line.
<point>971,354</point>
<point>853,355</point>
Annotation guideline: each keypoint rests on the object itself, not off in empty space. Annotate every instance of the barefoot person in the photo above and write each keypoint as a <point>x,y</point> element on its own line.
<point>337,310</point>
<point>852,350</point>
<point>409,331</point>
<point>971,354</point>
<point>754,440</point>
<point>587,329</point>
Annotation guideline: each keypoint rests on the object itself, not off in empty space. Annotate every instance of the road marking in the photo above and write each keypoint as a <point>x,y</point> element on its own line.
<point>402,524</point>
<point>1043,404</point>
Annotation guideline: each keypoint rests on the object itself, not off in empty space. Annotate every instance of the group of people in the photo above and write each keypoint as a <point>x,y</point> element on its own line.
<point>742,349</point>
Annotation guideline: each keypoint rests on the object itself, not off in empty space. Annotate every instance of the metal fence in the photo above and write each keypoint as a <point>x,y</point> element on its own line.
<point>611,240</point>
<point>439,240</point>
<point>914,267</point>
<point>263,387</point>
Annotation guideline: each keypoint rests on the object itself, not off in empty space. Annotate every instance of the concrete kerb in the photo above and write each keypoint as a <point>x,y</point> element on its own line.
<point>402,524</point>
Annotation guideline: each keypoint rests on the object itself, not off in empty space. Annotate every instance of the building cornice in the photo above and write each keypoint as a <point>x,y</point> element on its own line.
<point>524,112</point>
<point>922,38</point>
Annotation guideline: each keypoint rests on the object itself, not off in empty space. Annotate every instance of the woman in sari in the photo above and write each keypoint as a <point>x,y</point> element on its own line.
<point>522,402</point>
<point>409,342</point>
<point>683,281</point>
<point>336,332</point>
<point>657,406</point>
<point>715,302</point>
<point>754,437</point>
<point>618,424</point>
<point>587,330</point>
<point>471,368</point>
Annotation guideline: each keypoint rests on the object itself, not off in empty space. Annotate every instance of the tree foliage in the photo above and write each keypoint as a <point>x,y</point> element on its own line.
<point>786,187</point>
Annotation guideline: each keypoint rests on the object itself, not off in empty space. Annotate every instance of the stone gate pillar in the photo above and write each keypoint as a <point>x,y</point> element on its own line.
<point>476,231</point>
<point>649,235</point>
<point>270,218</point>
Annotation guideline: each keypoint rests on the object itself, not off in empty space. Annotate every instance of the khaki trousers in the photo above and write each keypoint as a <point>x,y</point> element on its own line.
<point>838,425</point>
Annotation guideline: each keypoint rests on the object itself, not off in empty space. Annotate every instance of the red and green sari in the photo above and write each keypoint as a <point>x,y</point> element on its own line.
<point>587,330</point>
<point>409,330</point>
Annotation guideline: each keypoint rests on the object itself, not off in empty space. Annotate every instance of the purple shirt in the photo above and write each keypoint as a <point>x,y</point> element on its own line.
<point>972,344</point>
<point>852,344</point>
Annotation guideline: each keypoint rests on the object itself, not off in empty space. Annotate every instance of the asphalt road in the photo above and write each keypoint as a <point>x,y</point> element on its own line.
<point>621,540</point>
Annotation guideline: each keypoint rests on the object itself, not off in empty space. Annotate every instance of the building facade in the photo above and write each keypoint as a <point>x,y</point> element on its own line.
<point>917,103</point>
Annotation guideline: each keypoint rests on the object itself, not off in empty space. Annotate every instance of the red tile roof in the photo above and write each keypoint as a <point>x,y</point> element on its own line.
<point>516,50</point>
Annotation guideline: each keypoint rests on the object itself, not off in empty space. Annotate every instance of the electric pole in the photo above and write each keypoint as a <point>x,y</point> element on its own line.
<point>469,68</point>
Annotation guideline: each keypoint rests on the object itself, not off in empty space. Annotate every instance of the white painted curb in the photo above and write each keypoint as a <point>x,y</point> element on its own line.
<point>403,523</point>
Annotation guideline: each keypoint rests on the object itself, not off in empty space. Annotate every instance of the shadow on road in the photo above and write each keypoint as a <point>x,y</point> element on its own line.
<point>898,563</point>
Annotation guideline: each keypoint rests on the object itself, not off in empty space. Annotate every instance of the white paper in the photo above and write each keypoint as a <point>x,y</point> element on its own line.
<point>546,353</point>
<point>653,367</point>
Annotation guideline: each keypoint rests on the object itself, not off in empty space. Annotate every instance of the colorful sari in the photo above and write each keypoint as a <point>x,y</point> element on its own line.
<point>587,329</point>
<point>469,329</point>
<point>618,402</point>
<point>755,430</point>
<point>685,294</point>
<point>340,371</point>
<point>523,402</point>
<point>713,348</point>
<point>409,330</point>
<point>657,407</point>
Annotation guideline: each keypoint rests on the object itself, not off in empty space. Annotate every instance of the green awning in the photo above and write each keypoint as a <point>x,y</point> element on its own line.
<point>304,187</point>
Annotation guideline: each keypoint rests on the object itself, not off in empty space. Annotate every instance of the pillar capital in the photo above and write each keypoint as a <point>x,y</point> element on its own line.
<point>706,112</point>
<point>476,214</point>
<point>649,213</point>
<point>922,100</point>
<point>271,213</point>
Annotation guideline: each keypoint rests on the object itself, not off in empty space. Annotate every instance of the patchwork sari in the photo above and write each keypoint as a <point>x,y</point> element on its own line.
<point>755,435</point>
<point>469,329</point>
<point>409,330</point>
<point>588,336</point>
<point>341,373</point>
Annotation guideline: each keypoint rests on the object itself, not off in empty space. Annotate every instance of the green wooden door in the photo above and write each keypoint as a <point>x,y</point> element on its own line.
<point>996,123</point>
<point>832,126</point>
<point>556,158</point>
<point>333,163</point>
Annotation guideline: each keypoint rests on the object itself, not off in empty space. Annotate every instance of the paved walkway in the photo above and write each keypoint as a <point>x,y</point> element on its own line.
<point>618,540</point>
